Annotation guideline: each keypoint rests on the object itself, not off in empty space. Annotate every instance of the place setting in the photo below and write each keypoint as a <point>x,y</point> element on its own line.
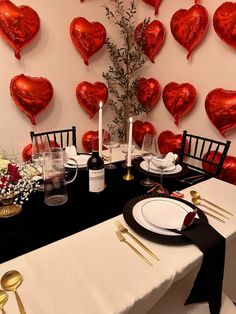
<point>173,221</point>
<point>74,160</point>
<point>160,218</point>
<point>154,164</point>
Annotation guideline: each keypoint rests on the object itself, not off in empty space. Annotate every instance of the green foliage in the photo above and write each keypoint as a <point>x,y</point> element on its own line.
<point>123,74</point>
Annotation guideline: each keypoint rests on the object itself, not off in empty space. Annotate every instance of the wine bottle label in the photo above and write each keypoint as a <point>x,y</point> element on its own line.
<point>96,180</point>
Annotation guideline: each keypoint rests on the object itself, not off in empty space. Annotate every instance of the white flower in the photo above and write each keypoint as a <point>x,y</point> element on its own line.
<point>3,164</point>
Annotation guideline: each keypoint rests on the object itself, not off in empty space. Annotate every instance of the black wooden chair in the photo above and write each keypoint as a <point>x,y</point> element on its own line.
<point>63,138</point>
<point>196,151</point>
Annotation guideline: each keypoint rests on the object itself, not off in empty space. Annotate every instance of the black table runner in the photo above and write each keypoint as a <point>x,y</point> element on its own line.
<point>38,224</point>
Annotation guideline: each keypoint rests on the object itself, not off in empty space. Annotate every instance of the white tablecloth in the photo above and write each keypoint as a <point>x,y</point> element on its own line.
<point>92,272</point>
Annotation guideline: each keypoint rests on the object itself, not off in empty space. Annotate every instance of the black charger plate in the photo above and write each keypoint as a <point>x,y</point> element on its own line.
<point>153,236</point>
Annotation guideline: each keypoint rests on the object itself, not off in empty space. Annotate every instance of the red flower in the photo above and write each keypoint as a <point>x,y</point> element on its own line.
<point>4,182</point>
<point>13,172</point>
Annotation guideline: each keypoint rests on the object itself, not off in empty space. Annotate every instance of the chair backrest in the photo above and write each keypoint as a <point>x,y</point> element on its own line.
<point>64,138</point>
<point>196,150</point>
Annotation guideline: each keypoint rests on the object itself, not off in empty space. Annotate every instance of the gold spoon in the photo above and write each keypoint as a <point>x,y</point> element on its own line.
<point>3,300</point>
<point>10,281</point>
<point>196,201</point>
<point>196,194</point>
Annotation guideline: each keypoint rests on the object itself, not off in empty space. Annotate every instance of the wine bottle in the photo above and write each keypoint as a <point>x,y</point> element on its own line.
<point>96,169</point>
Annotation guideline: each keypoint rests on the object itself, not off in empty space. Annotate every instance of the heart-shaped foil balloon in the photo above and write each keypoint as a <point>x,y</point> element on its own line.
<point>228,171</point>
<point>89,95</point>
<point>169,142</point>
<point>150,37</point>
<point>140,129</point>
<point>224,22</point>
<point>148,93</point>
<point>154,3</point>
<point>87,37</point>
<point>31,94</point>
<point>18,25</point>
<point>189,26</point>
<point>179,99</point>
<point>87,139</point>
<point>220,105</point>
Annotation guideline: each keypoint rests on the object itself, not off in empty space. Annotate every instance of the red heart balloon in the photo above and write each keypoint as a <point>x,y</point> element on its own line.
<point>31,94</point>
<point>148,92</point>
<point>87,37</point>
<point>169,142</point>
<point>27,152</point>
<point>140,129</point>
<point>228,172</point>
<point>189,26</point>
<point>224,22</point>
<point>154,3</point>
<point>89,95</point>
<point>220,105</point>
<point>18,25</point>
<point>87,139</point>
<point>179,99</point>
<point>151,36</point>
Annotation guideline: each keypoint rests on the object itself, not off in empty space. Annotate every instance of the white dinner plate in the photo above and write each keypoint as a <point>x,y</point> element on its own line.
<point>80,159</point>
<point>171,170</point>
<point>158,214</point>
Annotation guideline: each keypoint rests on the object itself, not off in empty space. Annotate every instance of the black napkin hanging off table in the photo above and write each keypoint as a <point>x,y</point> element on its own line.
<point>208,284</point>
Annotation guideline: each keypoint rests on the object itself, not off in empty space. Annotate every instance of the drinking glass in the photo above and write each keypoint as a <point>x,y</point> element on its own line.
<point>148,151</point>
<point>110,141</point>
<point>55,192</point>
<point>163,162</point>
<point>40,146</point>
<point>124,150</point>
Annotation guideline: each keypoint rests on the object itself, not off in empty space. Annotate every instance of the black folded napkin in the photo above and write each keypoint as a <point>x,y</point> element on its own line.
<point>208,284</point>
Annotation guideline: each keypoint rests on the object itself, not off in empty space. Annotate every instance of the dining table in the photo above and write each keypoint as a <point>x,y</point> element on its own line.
<point>72,262</point>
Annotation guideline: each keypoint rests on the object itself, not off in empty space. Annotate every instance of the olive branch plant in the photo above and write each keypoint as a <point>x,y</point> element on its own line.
<point>127,61</point>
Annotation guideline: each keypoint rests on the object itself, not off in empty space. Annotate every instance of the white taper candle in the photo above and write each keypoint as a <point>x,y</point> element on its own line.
<point>100,129</point>
<point>130,142</point>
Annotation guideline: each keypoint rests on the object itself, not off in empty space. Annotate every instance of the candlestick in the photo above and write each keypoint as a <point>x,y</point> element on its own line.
<point>130,142</point>
<point>100,129</point>
<point>128,176</point>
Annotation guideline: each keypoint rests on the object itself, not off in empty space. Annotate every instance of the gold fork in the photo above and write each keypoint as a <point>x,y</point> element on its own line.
<point>122,239</point>
<point>122,229</point>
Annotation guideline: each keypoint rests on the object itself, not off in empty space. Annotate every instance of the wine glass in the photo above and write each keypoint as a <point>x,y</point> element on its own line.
<point>124,149</point>
<point>148,151</point>
<point>110,141</point>
<point>163,162</point>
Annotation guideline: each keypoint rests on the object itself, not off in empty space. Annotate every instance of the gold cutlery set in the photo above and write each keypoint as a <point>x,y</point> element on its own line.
<point>10,281</point>
<point>196,200</point>
<point>120,236</point>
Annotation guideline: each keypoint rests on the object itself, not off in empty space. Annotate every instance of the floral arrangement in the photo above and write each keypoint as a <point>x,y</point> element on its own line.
<point>16,180</point>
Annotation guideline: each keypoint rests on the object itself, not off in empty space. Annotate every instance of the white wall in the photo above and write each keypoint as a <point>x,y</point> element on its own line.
<point>52,55</point>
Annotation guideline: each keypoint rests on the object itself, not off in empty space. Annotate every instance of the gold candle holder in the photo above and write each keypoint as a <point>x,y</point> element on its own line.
<point>128,176</point>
